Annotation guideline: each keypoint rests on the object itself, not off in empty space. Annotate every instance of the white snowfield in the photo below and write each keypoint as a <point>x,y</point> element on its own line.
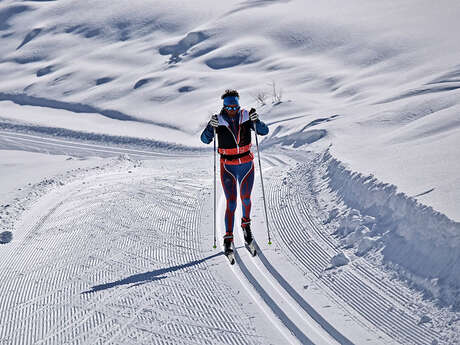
<point>106,192</point>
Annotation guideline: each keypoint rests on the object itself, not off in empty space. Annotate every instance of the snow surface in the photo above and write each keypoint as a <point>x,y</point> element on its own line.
<point>362,160</point>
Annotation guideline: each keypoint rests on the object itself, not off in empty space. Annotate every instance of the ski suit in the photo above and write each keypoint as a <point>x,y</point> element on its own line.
<point>236,159</point>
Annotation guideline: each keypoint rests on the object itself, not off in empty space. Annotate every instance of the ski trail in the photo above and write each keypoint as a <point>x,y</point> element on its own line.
<point>117,258</point>
<point>340,338</point>
<point>303,237</point>
<point>45,144</point>
<point>282,307</point>
<point>268,309</point>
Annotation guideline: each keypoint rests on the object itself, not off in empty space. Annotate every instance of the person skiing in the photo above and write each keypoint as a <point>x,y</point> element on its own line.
<point>233,126</point>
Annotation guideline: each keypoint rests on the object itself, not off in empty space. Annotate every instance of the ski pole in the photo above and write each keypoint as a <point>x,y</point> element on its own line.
<point>215,207</point>
<point>262,183</point>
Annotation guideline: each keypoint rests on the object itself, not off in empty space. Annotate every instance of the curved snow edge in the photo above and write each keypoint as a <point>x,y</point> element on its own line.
<point>100,138</point>
<point>424,243</point>
<point>11,213</point>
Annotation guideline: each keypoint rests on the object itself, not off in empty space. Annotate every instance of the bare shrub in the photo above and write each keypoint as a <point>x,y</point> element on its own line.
<point>277,93</point>
<point>261,97</point>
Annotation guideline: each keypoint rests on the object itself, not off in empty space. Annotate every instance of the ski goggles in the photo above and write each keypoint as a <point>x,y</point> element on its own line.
<point>227,107</point>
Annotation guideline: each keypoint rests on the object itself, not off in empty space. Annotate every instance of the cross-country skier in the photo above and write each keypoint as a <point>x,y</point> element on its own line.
<point>233,127</point>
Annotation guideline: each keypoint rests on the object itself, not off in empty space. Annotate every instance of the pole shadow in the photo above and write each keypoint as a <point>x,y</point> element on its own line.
<point>147,277</point>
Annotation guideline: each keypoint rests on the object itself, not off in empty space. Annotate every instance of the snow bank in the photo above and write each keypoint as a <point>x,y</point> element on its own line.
<point>422,244</point>
<point>125,141</point>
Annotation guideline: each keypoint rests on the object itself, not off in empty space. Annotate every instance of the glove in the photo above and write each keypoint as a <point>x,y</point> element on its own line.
<point>253,116</point>
<point>214,121</point>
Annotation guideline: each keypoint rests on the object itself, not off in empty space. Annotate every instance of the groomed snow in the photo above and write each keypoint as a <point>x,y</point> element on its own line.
<point>362,100</point>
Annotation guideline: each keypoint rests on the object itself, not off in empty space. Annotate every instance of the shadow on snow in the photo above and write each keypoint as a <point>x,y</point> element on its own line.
<point>146,277</point>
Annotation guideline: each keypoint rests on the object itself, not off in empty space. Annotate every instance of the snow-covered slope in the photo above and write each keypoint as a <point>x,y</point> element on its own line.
<point>365,93</point>
<point>389,70</point>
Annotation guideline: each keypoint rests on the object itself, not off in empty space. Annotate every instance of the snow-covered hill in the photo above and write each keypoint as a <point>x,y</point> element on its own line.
<point>362,101</point>
<point>390,71</point>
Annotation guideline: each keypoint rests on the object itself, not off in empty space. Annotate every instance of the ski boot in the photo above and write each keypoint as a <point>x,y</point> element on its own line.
<point>228,251</point>
<point>249,240</point>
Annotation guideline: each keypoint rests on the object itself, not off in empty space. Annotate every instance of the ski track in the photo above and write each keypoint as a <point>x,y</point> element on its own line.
<point>276,297</point>
<point>34,143</point>
<point>263,299</point>
<point>304,236</point>
<point>118,260</point>
<point>149,280</point>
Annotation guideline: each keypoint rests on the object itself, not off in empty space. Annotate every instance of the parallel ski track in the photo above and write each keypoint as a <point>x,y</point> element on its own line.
<point>271,303</point>
<point>365,270</point>
<point>35,143</point>
<point>303,236</point>
<point>283,308</point>
<point>266,302</point>
<point>91,240</point>
<point>362,266</point>
<point>302,303</point>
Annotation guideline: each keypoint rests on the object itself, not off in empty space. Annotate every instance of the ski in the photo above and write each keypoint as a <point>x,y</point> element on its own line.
<point>251,248</point>
<point>231,257</point>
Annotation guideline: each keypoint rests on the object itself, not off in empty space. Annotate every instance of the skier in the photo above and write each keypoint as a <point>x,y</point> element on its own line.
<point>233,127</point>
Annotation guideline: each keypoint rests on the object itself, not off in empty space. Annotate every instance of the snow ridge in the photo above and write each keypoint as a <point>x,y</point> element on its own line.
<point>98,138</point>
<point>423,243</point>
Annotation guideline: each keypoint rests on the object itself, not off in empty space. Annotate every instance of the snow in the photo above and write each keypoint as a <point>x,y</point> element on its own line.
<point>21,168</point>
<point>416,236</point>
<point>361,167</point>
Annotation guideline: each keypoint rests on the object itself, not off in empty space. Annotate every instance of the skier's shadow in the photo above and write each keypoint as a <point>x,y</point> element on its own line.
<point>146,277</point>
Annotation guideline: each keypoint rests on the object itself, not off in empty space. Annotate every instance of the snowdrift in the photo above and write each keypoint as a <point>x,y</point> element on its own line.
<point>422,244</point>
